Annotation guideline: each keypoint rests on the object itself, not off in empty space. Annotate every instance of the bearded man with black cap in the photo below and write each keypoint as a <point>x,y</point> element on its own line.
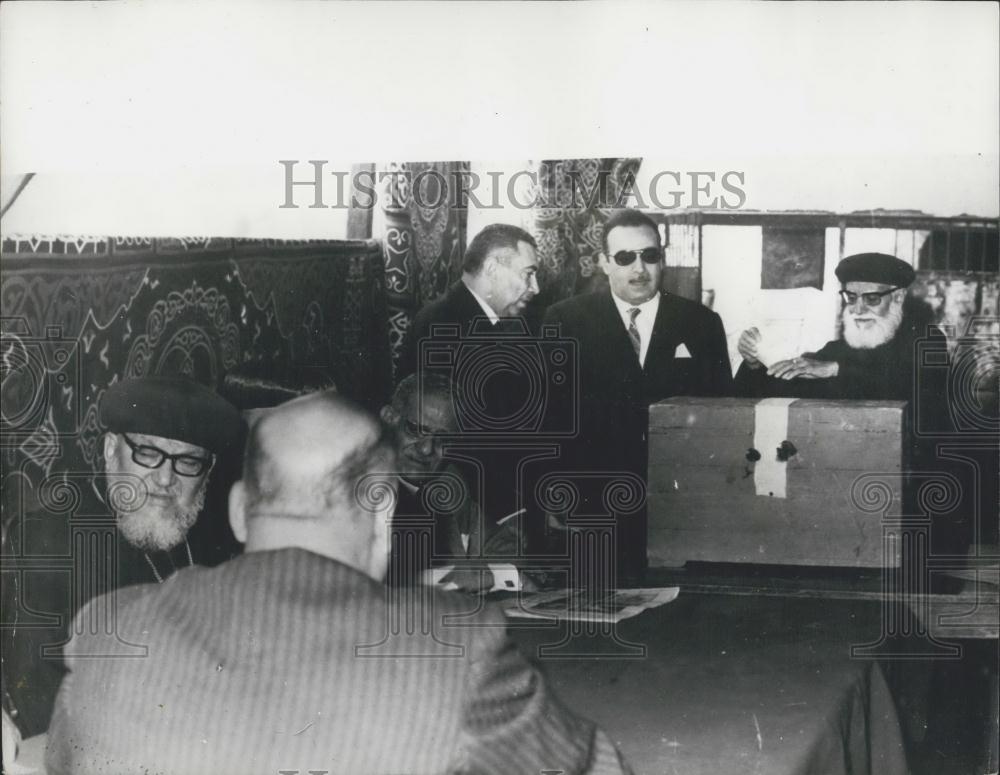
<point>890,351</point>
<point>164,434</point>
<point>876,358</point>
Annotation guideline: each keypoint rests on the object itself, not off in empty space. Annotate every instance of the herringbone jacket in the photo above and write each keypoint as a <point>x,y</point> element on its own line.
<point>286,661</point>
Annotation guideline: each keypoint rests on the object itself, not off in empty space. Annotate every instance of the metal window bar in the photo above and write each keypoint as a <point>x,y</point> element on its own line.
<point>934,254</point>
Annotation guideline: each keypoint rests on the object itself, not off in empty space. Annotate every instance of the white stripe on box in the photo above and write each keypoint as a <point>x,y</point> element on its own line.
<point>770,428</point>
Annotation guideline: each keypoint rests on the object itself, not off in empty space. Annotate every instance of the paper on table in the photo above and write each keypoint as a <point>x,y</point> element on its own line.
<point>505,577</point>
<point>984,574</point>
<point>434,577</point>
<point>581,605</point>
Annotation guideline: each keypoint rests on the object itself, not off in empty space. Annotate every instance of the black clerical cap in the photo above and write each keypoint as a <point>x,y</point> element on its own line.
<point>172,408</point>
<point>875,268</point>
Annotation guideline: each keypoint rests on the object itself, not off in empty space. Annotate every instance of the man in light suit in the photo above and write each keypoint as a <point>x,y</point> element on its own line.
<point>636,345</point>
<point>294,658</point>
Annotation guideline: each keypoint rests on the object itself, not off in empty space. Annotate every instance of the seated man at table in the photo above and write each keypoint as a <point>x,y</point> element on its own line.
<point>878,358</point>
<point>163,437</point>
<point>290,657</point>
<point>885,336</point>
<point>483,315</point>
<point>434,495</point>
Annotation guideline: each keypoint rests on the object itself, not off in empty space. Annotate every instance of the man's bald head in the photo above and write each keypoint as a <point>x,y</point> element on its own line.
<point>310,466</point>
<point>297,452</point>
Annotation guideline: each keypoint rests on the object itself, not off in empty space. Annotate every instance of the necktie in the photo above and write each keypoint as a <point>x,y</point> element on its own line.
<point>633,332</point>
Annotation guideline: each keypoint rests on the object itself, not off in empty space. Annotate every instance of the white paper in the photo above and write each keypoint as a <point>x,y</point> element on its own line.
<point>780,340</point>
<point>581,605</point>
<point>505,577</point>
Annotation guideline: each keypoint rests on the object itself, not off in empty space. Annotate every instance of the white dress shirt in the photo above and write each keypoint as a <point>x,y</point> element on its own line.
<point>487,309</point>
<point>643,321</point>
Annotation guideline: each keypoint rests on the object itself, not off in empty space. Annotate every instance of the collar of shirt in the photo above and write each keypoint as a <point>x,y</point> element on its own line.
<point>487,309</point>
<point>643,321</point>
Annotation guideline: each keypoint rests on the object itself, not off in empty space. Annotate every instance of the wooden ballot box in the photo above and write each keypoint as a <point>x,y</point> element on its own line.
<point>775,481</point>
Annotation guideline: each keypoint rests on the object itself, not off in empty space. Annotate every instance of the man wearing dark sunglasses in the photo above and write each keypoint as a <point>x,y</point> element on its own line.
<point>164,434</point>
<point>637,345</point>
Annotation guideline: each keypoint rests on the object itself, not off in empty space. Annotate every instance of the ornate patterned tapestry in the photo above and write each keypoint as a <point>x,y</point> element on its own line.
<point>424,234</point>
<point>81,313</point>
<point>423,237</point>
<point>569,237</point>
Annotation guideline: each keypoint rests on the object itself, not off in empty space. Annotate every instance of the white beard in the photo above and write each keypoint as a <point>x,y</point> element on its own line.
<point>154,530</point>
<point>881,330</point>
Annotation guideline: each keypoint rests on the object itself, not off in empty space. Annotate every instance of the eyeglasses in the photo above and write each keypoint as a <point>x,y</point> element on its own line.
<point>871,299</point>
<point>153,457</point>
<point>422,431</point>
<point>648,256</point>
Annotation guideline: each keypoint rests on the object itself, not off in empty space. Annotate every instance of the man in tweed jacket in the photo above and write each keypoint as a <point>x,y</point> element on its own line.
<point>295,657</point>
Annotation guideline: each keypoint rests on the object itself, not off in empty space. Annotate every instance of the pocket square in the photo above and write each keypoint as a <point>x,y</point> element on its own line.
<point>682,351</point>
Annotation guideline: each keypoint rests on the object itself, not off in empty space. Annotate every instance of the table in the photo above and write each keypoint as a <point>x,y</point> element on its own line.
<point>728,684</point>
<point>971,613</point>
<point>732,684</point>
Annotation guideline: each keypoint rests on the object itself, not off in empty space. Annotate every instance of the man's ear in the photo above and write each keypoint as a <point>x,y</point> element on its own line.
<point>602,261</point>
<point>238,511</point>
<point>899,295</point>
<point>389,415</point>
<point>378,559</point>
<point>110,445</point>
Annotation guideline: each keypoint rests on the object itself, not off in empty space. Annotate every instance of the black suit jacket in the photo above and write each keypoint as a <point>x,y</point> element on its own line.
<point>458,306</point>
<point>615,392</point>
<point>489,395</point>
